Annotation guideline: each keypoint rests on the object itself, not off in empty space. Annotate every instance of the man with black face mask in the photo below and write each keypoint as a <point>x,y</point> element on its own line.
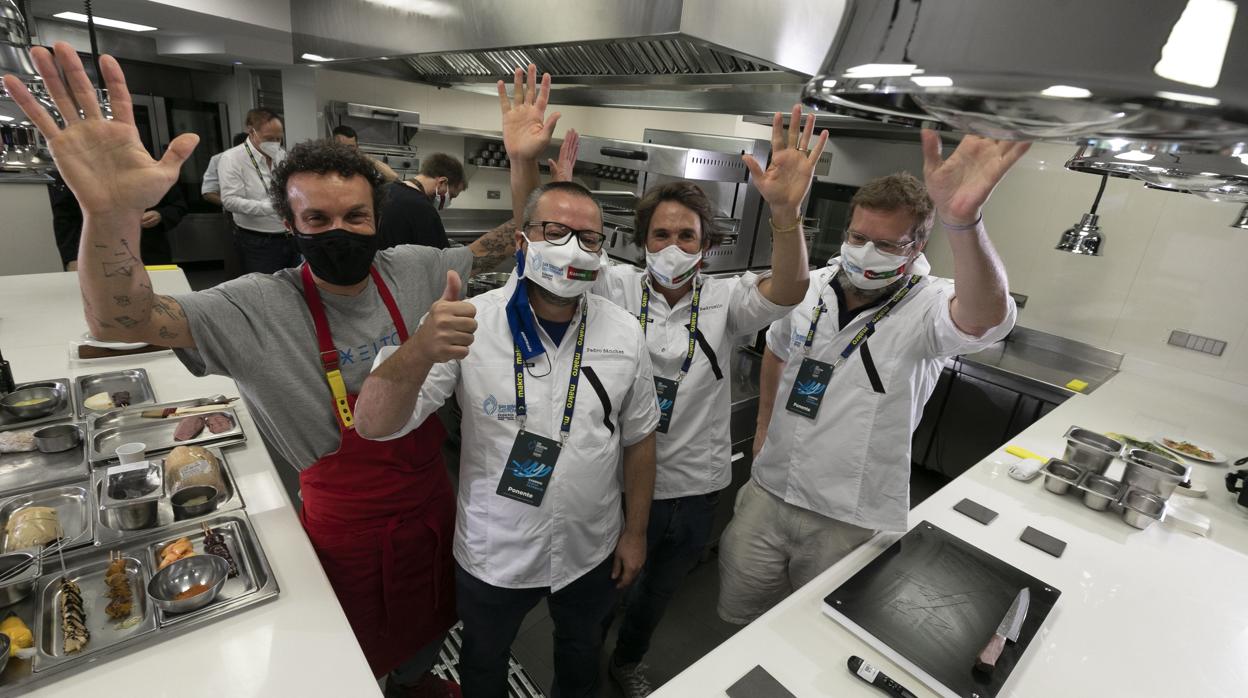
<point>298,343</point>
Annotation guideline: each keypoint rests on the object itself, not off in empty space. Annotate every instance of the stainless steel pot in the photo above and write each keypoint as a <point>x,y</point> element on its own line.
<point>1153,473</point>
<point>1140,509</point>
<point>1099,492</point>
<point>1090,450</point>
<point>1060,476</point>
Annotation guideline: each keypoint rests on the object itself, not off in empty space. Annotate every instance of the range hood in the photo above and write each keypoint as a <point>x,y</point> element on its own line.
<point>731,56</point>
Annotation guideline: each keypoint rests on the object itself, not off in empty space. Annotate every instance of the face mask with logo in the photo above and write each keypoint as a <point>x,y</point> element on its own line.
<point>671,266</point>
<point>338,256</point>
<point>565,270</point>
<point>868,268</point>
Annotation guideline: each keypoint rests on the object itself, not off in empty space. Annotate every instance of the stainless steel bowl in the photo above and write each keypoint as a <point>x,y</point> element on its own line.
<point>182,510</point>
<point>1099,492</point>
<point>208,570</point>
<point>1090,450</point>
<point>1153,473</point>
<point>57,438</point>
<point>51,397</point>
<point>1140,509</point>
<point>1060,476</point>
<point>16,588</point>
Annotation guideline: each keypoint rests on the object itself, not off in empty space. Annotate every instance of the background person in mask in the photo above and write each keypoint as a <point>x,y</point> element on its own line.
<point>410,214</point>
<point>347,136</point>
<point>244,174</point>
<point>292,341</point>
<point>846,374</point>
<point>556,392</point>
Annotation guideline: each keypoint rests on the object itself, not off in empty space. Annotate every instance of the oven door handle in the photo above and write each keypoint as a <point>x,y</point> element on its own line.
<point>624,153</point>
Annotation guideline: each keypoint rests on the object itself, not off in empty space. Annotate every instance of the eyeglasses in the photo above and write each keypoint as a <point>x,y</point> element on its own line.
<point>856,239</point>
<point>559,234</point>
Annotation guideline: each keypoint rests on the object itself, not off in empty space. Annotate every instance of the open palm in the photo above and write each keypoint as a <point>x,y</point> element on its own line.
<point>960,184</point>
<point>527,130</point>
<point>103,161</point>
<point>792,165</point>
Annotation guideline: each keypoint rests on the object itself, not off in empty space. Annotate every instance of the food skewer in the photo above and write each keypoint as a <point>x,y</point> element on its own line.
<point>214,544</point>
<point>73,613</point>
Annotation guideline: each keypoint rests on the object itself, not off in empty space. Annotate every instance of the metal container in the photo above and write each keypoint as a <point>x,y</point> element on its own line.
<point>1090,450</point>
<point>131,380</point>
<point>57,438</point>
<point>157,434</point>
<point>4,652</point>
<point>130,496</point>
<point>206,570</point>
<point>50,400</point>
<point>65,411</point>
<point>105,632</point>
<point>72,504</point>
<point>1153,473</point>
<point>182,510</point>
<point>18,586</point>
<point>33,470</point>
<point>1140,509</point>
<point>487,282</point>
<point>1060,476</point>
<point>1099,491</point>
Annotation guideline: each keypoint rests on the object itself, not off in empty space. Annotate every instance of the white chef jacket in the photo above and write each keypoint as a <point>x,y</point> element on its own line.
<point>695,455</point>
<point>852,462</point>
<point>515,545</point>
<point>245,189</point>
<point>212,181</point>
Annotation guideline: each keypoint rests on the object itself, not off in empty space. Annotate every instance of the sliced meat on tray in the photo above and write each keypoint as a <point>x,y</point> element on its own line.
<point>219,422</point>
<point>188,428</point>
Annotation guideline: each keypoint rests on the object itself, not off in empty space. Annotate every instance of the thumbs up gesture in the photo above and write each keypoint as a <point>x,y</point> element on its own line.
<point>448,328</point>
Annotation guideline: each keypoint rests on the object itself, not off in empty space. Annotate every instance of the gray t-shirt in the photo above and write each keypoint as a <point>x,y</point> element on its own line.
<point>257,330</point>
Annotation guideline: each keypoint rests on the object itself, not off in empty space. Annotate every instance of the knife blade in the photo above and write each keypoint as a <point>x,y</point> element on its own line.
<point>1009,628</point>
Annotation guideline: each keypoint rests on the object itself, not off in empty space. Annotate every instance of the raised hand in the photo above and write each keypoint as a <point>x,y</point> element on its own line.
<point>960,185</point>
<point>448,330</point>
<point>526,128</point>
<point>788,175</point>
<point>561,169</point>
<point>103,161</point>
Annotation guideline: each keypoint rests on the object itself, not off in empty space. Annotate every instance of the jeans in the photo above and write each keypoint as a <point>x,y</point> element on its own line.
<point>675,538</point>
<point>492,617</point>
<point>265,253</point>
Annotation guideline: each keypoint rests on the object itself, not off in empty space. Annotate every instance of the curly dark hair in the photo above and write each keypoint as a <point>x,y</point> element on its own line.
<point>686,194</point>
<point>323,157</point>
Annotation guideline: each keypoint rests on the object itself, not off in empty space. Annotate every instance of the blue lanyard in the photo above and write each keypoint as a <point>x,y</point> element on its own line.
<point>867,329</point>
<point>565,428</point>
<point>693,323</point>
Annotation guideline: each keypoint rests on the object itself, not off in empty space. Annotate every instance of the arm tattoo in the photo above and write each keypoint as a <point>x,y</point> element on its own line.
<point>166,333</point>
<point>495,247</point>
<point>126,321</point>
<point>121,301</point>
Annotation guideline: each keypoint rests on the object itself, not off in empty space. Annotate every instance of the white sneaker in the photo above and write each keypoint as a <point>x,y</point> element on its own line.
<point>631,679</point>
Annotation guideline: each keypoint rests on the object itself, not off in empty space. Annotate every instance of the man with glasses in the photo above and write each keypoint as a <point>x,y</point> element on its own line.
<point>852,367</point>
<point>245,173</point>
<point>557,398</point>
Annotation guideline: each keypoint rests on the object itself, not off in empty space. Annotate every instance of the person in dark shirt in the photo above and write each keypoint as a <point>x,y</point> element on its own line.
<point>409,215</point>
<point>156,224</point>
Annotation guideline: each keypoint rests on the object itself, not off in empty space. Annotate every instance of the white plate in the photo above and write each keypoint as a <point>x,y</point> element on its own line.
<point>1218,457</point>
<point>119,346</point>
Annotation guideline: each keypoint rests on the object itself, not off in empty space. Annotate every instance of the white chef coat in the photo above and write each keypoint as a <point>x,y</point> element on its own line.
<point>695,455</point>
<point>852,462</point>
<point>245,189</point>
<point>212,181</point>
<point>515,545</point>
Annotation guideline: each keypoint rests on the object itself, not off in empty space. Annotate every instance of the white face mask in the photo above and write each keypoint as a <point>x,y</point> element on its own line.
<point>671,266</point>
<point>868,268</point>
<point>565,270</point>
<point>271,149</point>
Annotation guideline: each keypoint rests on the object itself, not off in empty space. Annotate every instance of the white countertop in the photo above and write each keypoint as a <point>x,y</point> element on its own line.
<point>299,644</point>
<point>1158,612</point>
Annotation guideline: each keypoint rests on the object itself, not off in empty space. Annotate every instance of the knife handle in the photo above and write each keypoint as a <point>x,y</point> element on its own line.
<point>988,656</point>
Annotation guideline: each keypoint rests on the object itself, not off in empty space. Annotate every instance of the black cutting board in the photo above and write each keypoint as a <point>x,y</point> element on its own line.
<point>935,600</point>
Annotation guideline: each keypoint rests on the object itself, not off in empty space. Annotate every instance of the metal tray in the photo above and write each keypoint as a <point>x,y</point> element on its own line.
<point>157,434</point>
<point>73,504</point>
<point>64,411</point>
<point>131,379</point>
<point>230,500</point>
<point>254,574</point>
<point>105,632</point>
<point>25,472</point>
<point>130,416</point>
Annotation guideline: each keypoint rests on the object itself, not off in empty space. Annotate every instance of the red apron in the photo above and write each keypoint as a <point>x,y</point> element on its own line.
<point>381,515</point>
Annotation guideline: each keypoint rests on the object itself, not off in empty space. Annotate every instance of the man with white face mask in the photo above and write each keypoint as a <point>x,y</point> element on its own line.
<point>846,374</point>
<point>556,394</point>
<point>245,173</point>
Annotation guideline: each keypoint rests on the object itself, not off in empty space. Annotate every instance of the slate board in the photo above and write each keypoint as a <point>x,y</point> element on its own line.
<point>931,601</point>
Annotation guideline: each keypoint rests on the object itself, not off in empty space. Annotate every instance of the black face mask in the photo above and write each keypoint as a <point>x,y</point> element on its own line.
<point>338,256</point>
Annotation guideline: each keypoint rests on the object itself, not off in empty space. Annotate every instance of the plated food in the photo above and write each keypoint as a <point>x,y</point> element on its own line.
<point>20,441</point>
<point>20,636</point>
<point>214,544</point>
<point>1188,449</point>
<point>73,617</point>
<point>102,402</point>
<point>31,527</point>
<point>120,594</point>
<point>189,428</point>
<point>1133,442</point>
<point>177,550</point>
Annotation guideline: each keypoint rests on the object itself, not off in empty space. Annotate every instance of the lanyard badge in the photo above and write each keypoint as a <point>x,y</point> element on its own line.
<point>665,388</point>
<point>813,377</point>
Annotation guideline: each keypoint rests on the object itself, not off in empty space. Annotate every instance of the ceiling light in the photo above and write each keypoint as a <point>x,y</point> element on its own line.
<point>932,81</point>
<point>1066,91</point>
<point>314,57</point>
<point>105,22</point>
<point>882,70</point>
<point>1197,44</point>
<point>1243,219</point>
<point>1135,156</point>
<point>1194,99</point>
<point>1085,236</point>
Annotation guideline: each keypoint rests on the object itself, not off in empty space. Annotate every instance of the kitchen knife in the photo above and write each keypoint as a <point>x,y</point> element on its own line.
<point>1009,628</point>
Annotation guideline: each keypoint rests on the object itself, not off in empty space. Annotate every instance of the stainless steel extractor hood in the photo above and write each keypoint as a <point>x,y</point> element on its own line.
<point>732,56</point>
<point>1170,73</point>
